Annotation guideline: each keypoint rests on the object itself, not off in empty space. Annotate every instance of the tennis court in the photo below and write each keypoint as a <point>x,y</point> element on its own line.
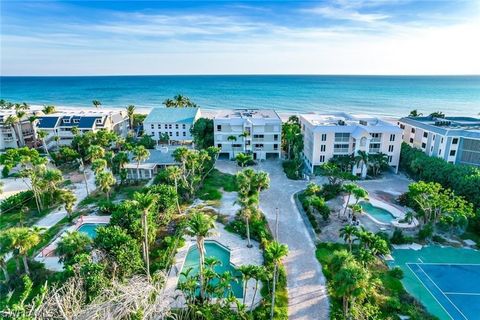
<point>446,280</point>
<point>456,287</point>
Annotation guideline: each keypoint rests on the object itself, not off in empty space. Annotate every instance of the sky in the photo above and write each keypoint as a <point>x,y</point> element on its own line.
<point>229,37</point>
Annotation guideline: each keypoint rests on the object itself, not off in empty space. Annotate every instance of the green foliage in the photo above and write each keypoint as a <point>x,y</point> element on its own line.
<point>293,169</point>
<point>122,250</point>
<point>464,180</point>
<point>13,157</point>
<point>214,182</point>
<point>93,274</point>
<point>202,133</point>
<point>72,244</point>
<point>146,141</point>
<point>65,156</point>
<point>386,296</point>
<point>17,201</point>
<point>335,174</point>
<point>128,217</point>
<point>244,160</point>
<point>426,232</point>
<point>399,238</point>
<point>102,138</point>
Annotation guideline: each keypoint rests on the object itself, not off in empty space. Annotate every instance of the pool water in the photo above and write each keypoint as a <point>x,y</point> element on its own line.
<point>90,229</point>
<point>379,214</point>
<point>213,249</point>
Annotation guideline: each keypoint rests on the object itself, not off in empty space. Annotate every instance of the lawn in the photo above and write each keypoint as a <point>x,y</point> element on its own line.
<point>214,183</point>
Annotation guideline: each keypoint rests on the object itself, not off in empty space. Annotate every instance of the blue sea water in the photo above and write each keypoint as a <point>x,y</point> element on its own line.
<point>383,95</point>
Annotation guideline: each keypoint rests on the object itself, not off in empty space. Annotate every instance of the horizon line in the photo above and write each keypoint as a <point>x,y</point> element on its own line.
<point>244,74</point>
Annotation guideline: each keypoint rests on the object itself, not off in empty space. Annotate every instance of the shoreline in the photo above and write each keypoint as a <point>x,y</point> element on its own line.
<point>206,112</point>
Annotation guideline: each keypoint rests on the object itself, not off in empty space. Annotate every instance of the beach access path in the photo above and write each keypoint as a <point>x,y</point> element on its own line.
<point>306,284</point>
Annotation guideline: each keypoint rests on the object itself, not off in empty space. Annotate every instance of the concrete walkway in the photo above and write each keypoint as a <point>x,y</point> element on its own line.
<point>55,216</point>
<point>307,292</point>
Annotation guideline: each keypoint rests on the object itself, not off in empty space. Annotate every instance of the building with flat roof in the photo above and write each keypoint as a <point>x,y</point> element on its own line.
<point>253,131</point>
<point>454,139</point>
<point>330,135</point>
<point>60,124</point>
<point>172,122</point>
<point>19,134</point>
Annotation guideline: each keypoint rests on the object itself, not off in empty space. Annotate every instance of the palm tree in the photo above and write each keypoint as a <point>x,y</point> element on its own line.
<point>247,272</point>
<point>361,160</point>
<point>275,251</point>
<point>359,194</point>
<point>42,134</point>
<point>12,122</point>
<point>414,113</point>
<point>130,114</point>
<point>95,152</point>
<point>105,180</point>
<point>232,139</point>
<point>347,233</point>
<point>69,199</point>
<point>49,109</point>
<point>246,213</point>
<point>243,159</point>
<point>145,202</point>
<point>99,165</point>
<point>377,162</point>
<point>348,188</point>
<point>174,173</point>
<point>140,154</point>
<point>81,167</point>
<point>244,135</point>
<point>52,178</point>
<point>21,240</point>
<point>261,181</point>
<point>200,225</point>
<point>96,103</point>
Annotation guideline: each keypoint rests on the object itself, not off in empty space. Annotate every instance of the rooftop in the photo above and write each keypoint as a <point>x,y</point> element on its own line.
<point>172,115</point>
<point>343,119</point>
<point>248,114</point>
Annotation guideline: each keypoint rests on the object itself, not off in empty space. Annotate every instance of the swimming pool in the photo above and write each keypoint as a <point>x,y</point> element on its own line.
<point>214,249</point>
<point>90,229</point>
<point>377,213</point>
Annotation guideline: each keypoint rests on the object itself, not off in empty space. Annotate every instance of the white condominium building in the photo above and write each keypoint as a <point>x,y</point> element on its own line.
<point>329,135</point>
<point>454,139</point>
<point>174,122</point>
<point>60,124</point>
<point>19,134</point>
<point>253,131</point>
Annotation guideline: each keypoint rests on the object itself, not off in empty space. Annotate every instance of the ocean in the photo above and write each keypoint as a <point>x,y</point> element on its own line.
<point>381,95</point>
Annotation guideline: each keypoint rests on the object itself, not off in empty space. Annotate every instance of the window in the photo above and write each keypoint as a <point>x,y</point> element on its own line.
<point>374,147</point>
<point>392,137</point>
<point>411,140</point>
<point>259,145</point>
<point>375,135</point>
<point>166,126</point>
<point>324,137</point>
<point>152,126</point>
<point>169,126</point>
<point>275,146</point>
<point>76,120</point>
<point>413,130</point>
<point>176,126</point>
<point>340,148</point>
<point>390,148</point>
<point>323,148</point>
<point>66,120</point>
<point>322,158</point>
<point>402,126</point>
<point>425,134</point>
<point>390,158</point>
<point>441,141</point>
<point>455,141</point>
<point>184,134</point>
<point>98,121</point>
<point>184,126</point>
<point>439,151</point>
<point>236,145</point>
<point>342,137</point>
<point>170,133</point>
<point>258,136</point>
<point>433,138</point>
<point>176,133</point>
<point>453,152</point>
<point>219,145</point>
<point>275,137</point>
<point>219,127</point>
<point>424,145</point>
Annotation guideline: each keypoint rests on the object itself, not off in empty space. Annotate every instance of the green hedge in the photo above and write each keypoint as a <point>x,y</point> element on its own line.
<point>17,201</point>
<point>462,179</point>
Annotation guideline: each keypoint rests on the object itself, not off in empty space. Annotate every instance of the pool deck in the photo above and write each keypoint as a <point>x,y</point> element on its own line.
<point>239,255</point>
<point>52,262</point>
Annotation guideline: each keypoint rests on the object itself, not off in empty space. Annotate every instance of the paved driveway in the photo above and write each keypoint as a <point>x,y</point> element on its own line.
<point>306,286</point>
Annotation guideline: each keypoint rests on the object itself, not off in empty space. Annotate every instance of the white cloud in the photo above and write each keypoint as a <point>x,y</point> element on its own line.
<point>345,13</point>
